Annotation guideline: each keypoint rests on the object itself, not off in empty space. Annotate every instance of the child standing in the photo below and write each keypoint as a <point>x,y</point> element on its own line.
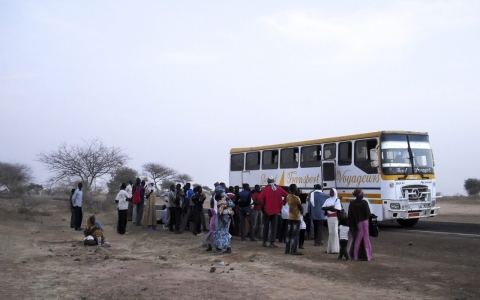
<point>343,230</point>
<point>210,239</point>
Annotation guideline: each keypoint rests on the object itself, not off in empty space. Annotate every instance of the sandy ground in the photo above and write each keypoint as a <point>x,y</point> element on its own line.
<point>42,258</point>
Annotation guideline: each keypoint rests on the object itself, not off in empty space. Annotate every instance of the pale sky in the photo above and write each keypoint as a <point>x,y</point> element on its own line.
<point>183,82</point>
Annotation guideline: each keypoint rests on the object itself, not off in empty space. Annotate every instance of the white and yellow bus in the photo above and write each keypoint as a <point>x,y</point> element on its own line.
<point>395,169</point>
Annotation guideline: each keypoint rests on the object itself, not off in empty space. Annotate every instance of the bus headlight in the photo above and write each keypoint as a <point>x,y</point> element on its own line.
<point>395,205</point>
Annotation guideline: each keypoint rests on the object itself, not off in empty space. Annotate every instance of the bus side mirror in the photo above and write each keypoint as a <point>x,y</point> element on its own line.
<point>374,157</point>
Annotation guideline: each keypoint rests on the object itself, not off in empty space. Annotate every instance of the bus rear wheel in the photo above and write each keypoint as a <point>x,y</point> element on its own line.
<point>407,222</point>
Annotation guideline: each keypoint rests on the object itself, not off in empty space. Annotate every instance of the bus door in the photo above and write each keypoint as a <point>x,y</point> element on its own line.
<point>328,175</point>
<point>245,177</point>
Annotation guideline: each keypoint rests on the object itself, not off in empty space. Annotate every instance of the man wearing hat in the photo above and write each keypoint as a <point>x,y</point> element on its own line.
<point>273,197</point>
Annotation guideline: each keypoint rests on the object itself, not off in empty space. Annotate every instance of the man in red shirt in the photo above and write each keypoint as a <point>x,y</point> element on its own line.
<point>257,212</point>
<point>273,198</point>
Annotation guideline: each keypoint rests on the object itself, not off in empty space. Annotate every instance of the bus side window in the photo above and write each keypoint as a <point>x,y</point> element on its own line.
<point>329,151</point>
<point>289,158</point>
<point>236,162</point>
<point>252,161</point>
<point>270,159</point>
<point>345,153</point>
<point>311,156</point>
<point>362,152</point>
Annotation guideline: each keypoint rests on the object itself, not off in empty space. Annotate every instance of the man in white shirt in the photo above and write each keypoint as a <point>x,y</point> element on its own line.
<point>77,206</point>
<point>128,189</point>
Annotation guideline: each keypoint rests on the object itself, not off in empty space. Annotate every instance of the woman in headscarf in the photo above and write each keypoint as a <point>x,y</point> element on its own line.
<point>332,206</point>
<point>222,224</point>
<point>95,229</point>
<point>358,216</point>
<point>149,219</point>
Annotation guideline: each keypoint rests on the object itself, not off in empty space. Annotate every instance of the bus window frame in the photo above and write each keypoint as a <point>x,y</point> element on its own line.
<point>334,152</point>
<point>345,161</point>
<point>290,164</point>
<point>311,163</point>
<point>252,167</point>
<point>273,165</point>
<point>365,164</point>
<point>231,162</point>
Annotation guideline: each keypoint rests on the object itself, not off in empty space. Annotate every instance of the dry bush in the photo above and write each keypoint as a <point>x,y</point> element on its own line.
<point>28,206</point>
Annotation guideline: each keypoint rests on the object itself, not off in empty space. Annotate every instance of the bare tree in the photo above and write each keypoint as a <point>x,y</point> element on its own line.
<point>121,175</point>
<point>182,178</point>
<point>85,163</point>
<point>207,189</point>
<point>14,176</point>
<point>158,172</point>
<point>166,184</point>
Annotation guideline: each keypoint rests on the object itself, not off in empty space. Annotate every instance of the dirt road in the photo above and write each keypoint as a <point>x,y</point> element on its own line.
<point>42,258</point>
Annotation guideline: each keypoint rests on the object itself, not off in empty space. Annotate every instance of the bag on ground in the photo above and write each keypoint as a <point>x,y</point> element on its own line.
<point>373,226</point>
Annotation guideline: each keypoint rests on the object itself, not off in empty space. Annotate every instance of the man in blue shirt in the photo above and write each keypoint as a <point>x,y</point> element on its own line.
<point>317,214</point>
<point>245,211</point>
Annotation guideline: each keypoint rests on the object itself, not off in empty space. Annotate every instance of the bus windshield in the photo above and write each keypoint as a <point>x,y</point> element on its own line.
<point>396,154</point>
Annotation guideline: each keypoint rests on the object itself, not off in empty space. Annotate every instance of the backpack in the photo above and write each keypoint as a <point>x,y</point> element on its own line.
<point>136,197</point>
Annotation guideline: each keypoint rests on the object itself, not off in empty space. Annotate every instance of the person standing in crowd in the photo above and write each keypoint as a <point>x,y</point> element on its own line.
<point>332,206</point>
<point>197,199</point>
<point>358,217</point>
<point>175,210</point>
<point>317,214</point>
<point>72,210</point>
<point>271,196</point>
<point>122,207</point>
<point>212,198</point>
<point>166,197</point>
<point>245,211</point>
<point>187,207</point>
<point>149,219</point>
<point>235,221</point>
<point>224,217</point>
<point>257,212</point>
<point>303,225</point>
<point>176,216</point>
<point>283,231</point>
<point>129,190</point>
<point>139,208</point>
<point>294,218</point>
<point>132,208</point>
<point>77,199</point>
<point>236,216</point>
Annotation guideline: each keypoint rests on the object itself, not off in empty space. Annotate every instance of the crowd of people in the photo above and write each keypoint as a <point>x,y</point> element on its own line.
<point>273,213</point>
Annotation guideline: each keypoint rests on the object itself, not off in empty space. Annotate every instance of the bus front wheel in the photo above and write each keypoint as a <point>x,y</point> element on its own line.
<point>407,222</point>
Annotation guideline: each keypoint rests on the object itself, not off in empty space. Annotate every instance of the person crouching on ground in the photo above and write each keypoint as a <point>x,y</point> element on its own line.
<point>122,207</point>
<point>95,229</point>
